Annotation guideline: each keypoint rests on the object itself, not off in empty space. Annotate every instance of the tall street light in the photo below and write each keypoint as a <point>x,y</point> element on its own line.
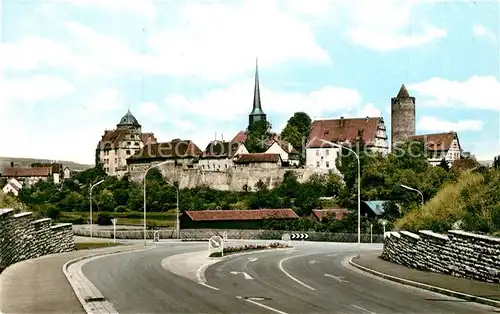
<point>359,190</point>
<point>144,179</point>
<point>91,188</point>
<point>177,225</point>
<point>415,190</point>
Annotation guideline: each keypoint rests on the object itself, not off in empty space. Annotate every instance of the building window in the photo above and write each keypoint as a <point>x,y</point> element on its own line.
<point>128,152</point>
<point>327,152</point>
<point>128,143</point>
<point>136,143</point>
<point>328,164</point>
<point>226,166</point>
<point>116,160</point>
<point>317,164</point>
<point>132,136</point>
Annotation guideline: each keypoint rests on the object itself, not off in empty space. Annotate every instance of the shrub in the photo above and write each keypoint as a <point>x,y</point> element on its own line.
<point>104,220</point>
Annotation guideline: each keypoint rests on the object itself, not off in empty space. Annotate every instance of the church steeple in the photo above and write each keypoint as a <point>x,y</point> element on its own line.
<point>257,113</point>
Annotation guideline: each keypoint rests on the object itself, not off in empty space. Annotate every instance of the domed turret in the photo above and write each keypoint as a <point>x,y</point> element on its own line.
<point>128,120</point>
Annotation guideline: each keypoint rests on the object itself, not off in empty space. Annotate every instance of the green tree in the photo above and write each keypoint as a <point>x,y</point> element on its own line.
<point>258,135</point>
<point>105,201</point>
<point>444,164</point>
<point>297,130</point>
<point>73,201</point>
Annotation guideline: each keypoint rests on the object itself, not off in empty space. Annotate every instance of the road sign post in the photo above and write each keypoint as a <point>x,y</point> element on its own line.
<point>286,238</point>
<point>114,221</point>
<point>215,244</point>
<point>156,236</point>
<point>224,236</point>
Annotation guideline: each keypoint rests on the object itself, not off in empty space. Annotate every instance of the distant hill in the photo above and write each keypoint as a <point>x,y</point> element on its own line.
<point>26,162</point>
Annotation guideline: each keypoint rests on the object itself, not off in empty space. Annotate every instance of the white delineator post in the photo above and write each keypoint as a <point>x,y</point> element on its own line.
<point>114,221</point>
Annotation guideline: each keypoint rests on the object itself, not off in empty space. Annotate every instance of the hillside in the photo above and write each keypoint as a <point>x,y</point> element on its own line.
<point>474,201</point>
<point>26,162</point>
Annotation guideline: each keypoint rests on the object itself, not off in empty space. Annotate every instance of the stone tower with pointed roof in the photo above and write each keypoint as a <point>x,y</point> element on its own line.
<point>402,117</point>
<point>117,145</point>
<point>257,113</point>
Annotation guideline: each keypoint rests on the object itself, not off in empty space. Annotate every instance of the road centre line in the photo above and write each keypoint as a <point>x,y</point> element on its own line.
<point>363,309</point>
<point>262,305</point>
<point>280,265</point>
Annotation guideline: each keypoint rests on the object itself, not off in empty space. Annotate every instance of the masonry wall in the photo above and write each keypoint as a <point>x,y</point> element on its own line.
<point>457,253</point>
<point>22,237</point>
<point>233,179</point>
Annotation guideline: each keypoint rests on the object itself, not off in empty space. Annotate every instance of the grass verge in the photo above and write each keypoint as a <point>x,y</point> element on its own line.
<point>94,245</point>
<point>250,247</point>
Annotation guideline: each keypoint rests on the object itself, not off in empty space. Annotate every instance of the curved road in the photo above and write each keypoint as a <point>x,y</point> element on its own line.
<point>311,278</point>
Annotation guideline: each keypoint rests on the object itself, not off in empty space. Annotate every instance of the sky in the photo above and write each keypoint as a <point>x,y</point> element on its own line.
<point>185,69</point>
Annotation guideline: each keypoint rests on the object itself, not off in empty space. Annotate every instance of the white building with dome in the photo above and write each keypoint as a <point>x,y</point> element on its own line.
<point>119,144</point>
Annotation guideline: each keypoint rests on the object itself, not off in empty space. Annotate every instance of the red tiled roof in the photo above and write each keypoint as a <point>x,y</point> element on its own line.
<point>112,138</point>
<point>173,149</point>
<point>148,138</point>
<point>257,157</point>
<point>250,214</point>
<point>219,149</point>
<point>240,137</point>
<point>16,172</point>
<point>323,213</point>
<point>343,130</point>
<point>437,141</point>
<point>287,147</point>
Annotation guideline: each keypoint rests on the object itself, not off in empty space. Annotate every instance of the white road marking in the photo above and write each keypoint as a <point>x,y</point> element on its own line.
<point>333,254</point>
<point>363,309</point>
<point>313,262</point>
<point>253,259</point>
<point>338,278</point>
<point>247,276</point>
<point>262,305</point>
<point>280,265</point>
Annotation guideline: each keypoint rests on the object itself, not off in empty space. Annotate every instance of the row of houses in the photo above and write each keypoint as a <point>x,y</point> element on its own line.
<point>255,218</point>
<point>18,177</point>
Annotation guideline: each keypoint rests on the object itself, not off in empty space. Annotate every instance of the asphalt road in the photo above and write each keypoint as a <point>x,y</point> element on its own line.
<point>312,278</point>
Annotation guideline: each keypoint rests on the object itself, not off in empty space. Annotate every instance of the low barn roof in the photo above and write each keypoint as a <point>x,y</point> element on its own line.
<point>250,214</point>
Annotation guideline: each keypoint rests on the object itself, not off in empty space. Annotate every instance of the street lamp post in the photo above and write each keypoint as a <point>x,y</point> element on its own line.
<point>415,190</point>
<point>91,188</point>
<point>177,225</point>
<point>145,174</point>
<point>359,190</point>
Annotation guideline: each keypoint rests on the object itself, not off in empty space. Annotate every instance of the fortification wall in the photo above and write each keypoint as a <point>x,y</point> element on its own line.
<point>233,179</point>
<point>457,253</point>
<point>22,237</point>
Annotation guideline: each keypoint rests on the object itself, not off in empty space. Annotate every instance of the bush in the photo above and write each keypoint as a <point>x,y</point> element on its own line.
<point>104,220</point>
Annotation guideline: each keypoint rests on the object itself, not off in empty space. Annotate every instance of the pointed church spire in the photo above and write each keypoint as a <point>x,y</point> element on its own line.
<point>257,114</point>
<point>256,92</point>
<point>403,92</point>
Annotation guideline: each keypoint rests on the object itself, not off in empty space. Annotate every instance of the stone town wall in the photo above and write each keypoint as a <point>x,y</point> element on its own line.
<point>233,179</point>
<point>22,237</point>
<point>235,234</point>
<point>457,253</point>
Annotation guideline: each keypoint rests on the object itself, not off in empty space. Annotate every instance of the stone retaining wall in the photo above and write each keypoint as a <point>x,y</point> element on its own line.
<point>205,234</point>
<point>457,253</point>
<point>22,237</point>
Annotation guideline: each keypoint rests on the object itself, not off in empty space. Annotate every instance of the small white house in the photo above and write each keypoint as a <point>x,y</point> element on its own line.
<point>441,146</point>
<point>286,151</point>
<point>13,186</point>
<point>218,155</point>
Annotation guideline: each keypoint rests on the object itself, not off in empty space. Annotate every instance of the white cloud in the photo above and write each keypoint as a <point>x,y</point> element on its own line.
<point>145,8</point>
<point>199,43</point>
<point>435,124</point>
<point>479,30</point>
<point>477,92</point>
<point>369,110</point>
<point>234,101</point>
<point>386,25</point>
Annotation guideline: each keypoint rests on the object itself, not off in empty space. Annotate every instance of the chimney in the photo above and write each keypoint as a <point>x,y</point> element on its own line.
<point>367,117</point>
<point>341,121</point>
<point>222,137</point>
<point>215,136</point>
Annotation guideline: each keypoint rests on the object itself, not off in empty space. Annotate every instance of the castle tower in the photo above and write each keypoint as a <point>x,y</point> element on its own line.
<point>402,117</point>
<point>257,114</point>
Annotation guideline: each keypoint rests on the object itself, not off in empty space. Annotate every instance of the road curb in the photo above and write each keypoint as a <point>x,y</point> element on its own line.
<point>424,286</point>
<point>89,296</point>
